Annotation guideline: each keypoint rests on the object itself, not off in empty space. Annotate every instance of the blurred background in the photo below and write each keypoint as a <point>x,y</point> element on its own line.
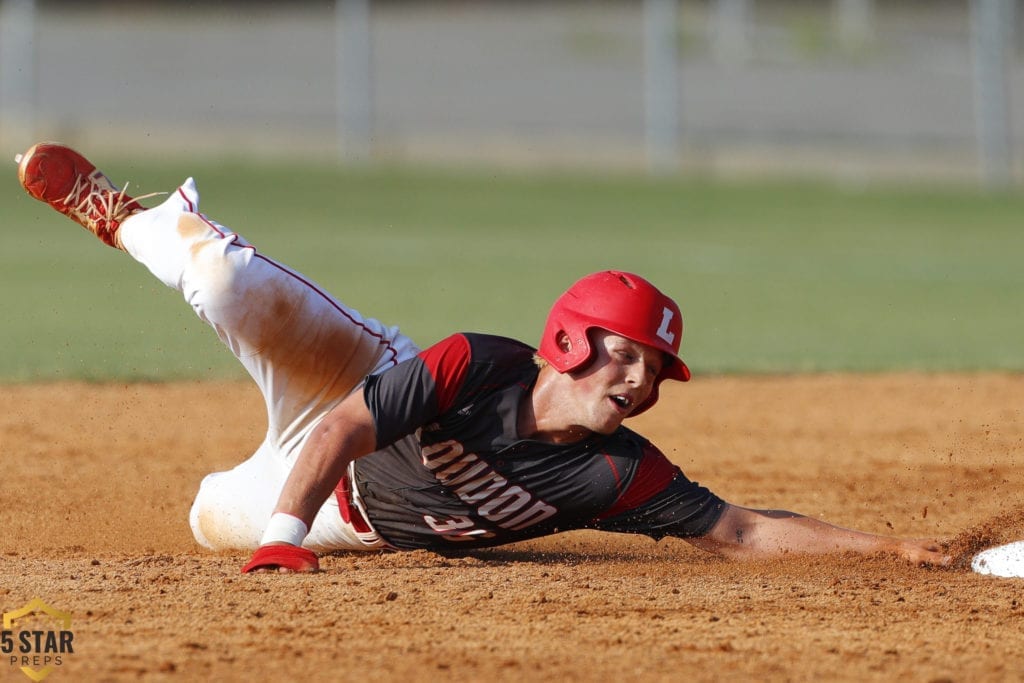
<point>823,185</point>
<point>852,89</point>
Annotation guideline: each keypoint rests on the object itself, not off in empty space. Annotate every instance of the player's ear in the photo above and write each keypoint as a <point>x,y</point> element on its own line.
<point>563,341</point>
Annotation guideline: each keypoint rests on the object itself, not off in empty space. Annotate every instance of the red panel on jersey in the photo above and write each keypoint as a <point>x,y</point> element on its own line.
<point>652,476</point>
<point>447,361</point>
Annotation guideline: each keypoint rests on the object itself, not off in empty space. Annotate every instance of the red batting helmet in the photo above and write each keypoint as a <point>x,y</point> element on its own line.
<point>624,304</point>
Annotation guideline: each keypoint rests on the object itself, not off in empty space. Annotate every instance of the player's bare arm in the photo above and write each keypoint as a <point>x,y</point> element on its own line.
<point>744,533</point>
<point>346,433</point>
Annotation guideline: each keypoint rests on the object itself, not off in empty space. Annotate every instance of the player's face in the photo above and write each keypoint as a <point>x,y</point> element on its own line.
<point>619,379</point>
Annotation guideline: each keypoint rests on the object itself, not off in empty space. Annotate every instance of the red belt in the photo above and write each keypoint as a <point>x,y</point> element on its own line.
<point>350,514</point>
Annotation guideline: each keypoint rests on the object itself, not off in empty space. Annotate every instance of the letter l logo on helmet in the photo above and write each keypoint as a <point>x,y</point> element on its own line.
<point>663,331</point>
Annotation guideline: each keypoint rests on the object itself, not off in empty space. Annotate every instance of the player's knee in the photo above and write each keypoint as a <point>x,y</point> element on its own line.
<point>216,524</point>
<point>215,282</point>
<point>197,520</point>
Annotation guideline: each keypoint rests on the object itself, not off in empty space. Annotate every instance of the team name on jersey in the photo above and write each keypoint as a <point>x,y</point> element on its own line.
<point>478,485</point>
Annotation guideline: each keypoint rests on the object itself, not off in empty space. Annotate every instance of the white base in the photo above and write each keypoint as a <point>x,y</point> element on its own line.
<point>1004,560</point>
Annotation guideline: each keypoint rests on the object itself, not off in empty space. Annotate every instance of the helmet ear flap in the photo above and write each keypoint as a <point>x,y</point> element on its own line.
<point>579,351</point>
<point>566,349</point>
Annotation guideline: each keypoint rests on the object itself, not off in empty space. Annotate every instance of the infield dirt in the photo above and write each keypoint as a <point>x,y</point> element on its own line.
<point>98,478</point>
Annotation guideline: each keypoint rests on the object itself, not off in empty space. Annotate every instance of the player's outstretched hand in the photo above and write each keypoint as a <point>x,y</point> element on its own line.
<point>281,558</point>
<point>924,551</point>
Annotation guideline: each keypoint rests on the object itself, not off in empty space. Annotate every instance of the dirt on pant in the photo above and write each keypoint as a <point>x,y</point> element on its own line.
<point>97,480</point>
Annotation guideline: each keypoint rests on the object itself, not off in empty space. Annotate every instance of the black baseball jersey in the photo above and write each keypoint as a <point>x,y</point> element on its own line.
<point>452,472</point>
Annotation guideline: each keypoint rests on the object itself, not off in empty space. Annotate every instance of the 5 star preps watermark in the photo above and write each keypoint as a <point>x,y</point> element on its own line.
<point>37,639</point>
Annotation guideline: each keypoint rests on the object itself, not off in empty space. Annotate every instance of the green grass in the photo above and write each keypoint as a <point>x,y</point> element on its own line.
<point>771,277</point>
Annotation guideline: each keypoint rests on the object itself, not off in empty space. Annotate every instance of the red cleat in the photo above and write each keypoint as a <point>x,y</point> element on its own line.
<point>71,184</point>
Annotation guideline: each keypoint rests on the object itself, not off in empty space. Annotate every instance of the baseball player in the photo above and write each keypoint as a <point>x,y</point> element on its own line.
<point>475,441</point>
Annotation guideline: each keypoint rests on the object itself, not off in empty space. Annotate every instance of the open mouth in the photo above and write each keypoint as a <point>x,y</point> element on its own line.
<point>623,402</point>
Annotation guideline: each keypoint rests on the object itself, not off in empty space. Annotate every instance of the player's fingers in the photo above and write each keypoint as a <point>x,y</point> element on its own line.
<point>932,556</point>
<point>936,560</point>
<point>282,559</point>
<point>272,570</point>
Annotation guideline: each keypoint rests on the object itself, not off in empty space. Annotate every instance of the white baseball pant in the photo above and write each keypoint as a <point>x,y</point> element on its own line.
<point>305,350</point>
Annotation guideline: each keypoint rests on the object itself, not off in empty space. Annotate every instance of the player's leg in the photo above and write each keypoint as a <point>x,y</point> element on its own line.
<point>232,508</point>
<point>304,349</point>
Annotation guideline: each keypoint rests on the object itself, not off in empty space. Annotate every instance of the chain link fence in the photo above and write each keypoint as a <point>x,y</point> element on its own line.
<point>852,89</point>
